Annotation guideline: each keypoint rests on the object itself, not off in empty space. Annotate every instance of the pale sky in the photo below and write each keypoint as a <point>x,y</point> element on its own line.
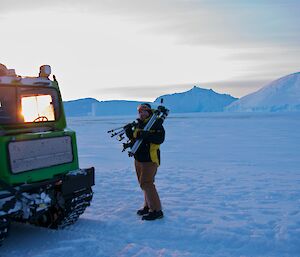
<point>140,49</point>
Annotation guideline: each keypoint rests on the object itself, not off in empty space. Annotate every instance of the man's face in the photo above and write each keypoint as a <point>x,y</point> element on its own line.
<point>143,114</point>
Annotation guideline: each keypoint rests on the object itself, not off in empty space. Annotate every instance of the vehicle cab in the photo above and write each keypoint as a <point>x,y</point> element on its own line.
<point>34,141</point>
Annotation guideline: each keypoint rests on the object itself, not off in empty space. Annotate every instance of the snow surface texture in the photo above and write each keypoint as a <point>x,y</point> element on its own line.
<point>229,184</point>
<point>280,95</point>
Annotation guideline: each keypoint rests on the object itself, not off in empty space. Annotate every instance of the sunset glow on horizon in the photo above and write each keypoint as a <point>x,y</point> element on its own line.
<point>110,51</point>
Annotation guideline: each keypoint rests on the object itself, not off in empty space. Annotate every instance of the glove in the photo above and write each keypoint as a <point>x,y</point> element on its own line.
<point>128,126</point>
<point>142,134</point>
<point>128,130</point>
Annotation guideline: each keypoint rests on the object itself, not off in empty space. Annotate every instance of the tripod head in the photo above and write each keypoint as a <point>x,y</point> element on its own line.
<point>120,131</point>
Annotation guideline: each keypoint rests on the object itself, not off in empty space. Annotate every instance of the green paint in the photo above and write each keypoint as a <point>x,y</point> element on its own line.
<point>28,131</point>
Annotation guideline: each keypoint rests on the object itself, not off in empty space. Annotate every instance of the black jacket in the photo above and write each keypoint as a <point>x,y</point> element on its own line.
<point>149,149</point>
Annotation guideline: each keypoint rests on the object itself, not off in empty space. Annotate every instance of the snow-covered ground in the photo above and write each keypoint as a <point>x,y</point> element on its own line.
<point>229,184</point>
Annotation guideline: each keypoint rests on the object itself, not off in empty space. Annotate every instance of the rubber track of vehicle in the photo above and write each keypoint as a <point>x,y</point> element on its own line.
<point>74,208</point>
<point>4,225</point>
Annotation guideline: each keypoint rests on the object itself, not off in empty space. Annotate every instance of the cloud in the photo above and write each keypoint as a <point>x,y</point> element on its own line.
<point>236,88</point>
<point>258,54</point>
<point>214,22</point>
<point>143,92</point>
<point>262,40</point>
<point>269,63</point>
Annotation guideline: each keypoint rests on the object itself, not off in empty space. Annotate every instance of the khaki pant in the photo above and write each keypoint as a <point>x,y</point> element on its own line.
<point>146,172</point>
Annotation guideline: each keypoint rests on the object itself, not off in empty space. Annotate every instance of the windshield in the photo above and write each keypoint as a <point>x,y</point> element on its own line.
<point>28,104</point>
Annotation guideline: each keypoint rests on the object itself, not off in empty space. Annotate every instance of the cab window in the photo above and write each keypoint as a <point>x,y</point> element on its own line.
<point>38,104</point>
<point>27,104</point>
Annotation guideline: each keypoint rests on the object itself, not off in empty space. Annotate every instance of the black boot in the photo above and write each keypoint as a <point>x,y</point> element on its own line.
<point>153,215</point>
<point>143,211</point>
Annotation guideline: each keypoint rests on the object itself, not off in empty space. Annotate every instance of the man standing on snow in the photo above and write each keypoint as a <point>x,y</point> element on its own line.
<point>147,160</point>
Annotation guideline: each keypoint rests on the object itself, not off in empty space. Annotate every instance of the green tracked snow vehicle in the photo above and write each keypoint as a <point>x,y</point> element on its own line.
<point>40,179</point>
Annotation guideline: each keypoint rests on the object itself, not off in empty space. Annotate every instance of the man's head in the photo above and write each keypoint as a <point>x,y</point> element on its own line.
<point>144,111</point>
